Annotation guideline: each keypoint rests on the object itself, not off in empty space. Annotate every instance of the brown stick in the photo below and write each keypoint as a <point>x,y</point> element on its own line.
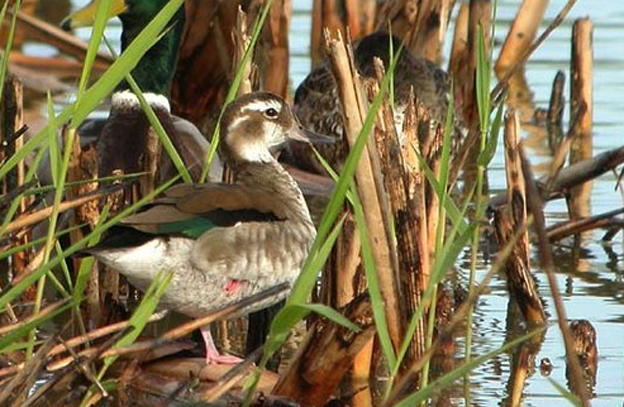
<point>354,110</point>
<point>581,91</point>
<point>40,30</point>
<point>536,208</point>
<point>35,217</point>
<point>571,227</point>
<point>521,34</point>
<point>574,175</point>
<point>507,219</point>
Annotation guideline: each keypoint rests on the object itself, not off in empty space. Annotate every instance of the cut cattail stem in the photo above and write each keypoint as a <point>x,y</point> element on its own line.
<point>581,104</point>
<point>508,219</point>
<point>522,33</point>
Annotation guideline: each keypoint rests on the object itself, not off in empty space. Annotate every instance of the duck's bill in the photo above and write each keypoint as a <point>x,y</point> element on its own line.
<point>301,134</point>
<point>85,17</point>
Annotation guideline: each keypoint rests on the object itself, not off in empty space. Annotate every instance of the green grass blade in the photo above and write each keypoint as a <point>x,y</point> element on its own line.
<point>101,18</point>
<point>486,156</point>
<point>482,81</point>
<point>330,314</point>
<point>574,400</point>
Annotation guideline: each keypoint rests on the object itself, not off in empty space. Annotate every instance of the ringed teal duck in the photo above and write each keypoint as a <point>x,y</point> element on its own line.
<point>223,242</point>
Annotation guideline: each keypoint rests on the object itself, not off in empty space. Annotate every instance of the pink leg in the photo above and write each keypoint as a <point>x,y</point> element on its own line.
<point>212,354</point>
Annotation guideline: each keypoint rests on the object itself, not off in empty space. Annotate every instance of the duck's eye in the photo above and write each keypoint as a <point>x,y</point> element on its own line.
<point>270,113</point>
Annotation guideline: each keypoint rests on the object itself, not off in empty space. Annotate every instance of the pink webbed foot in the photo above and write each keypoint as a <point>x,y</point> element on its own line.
<point>212,354</point>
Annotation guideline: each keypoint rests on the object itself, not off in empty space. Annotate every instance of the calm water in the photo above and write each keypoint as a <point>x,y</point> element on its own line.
<point>591,280</point>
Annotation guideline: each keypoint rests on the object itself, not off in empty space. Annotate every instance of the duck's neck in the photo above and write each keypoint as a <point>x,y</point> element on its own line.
<point>273,178</point>
<point>154,72</point>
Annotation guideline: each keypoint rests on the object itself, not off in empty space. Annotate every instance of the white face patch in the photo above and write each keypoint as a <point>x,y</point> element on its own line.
<point>128,100</point>
<point>255,153</point>
<point>262,106</point>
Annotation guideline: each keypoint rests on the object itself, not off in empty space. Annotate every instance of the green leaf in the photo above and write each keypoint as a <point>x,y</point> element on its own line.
<point>101,17</point>
<point>483,81</point>
<point>574,400</point>
<point>486,156</point>
<point>330,314</point>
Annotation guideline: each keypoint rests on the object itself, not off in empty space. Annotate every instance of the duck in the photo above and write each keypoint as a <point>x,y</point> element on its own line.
<point>126,128</point>
<point>223,242</point>
<point>317,106</point>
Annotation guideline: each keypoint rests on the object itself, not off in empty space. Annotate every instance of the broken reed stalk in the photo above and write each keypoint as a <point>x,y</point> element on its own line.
<point>325,356</point>
<point>554,116</point>
<point>404,183</point>
<point>521,34</point>
<point>274,42</point>
<point>459,55</point>
<point>426,37</point>
<point>508,218</point>
<point>354,109</point>
<point>11,121</point>
<point>336,16</point>
<point>502,82</point>
<point>480,14</point>
<point>459,317</point>
<point>535,207</point>
<point>241,40</point>
<point>581,104</point>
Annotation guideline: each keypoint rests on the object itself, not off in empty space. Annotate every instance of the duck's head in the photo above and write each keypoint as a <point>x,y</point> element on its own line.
<point>129,11</point>
<point>257,124</point>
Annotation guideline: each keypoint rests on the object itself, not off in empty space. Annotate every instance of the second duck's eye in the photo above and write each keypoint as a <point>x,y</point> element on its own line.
<point>270,113</point>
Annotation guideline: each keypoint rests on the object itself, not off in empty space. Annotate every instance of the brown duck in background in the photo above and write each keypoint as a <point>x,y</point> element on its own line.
<point>318,108</point>
<point>223,242</point>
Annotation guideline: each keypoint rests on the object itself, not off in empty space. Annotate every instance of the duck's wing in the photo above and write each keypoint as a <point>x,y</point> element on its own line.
<point>191,210</point>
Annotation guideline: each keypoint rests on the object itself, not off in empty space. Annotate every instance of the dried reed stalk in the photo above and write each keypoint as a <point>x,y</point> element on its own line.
<point>507,219</point>
<point>521,34</point>
<point>427,35</point>
<point>11,121</point>
<point>325,356</point>
<point>241,40</point>
<point>459,55</point>
<point>337,15</point>
<point>404,183</point>
<point>554,116</point>
<point>275,48</point>
<point>370,190</point>
<point>581,104</point>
